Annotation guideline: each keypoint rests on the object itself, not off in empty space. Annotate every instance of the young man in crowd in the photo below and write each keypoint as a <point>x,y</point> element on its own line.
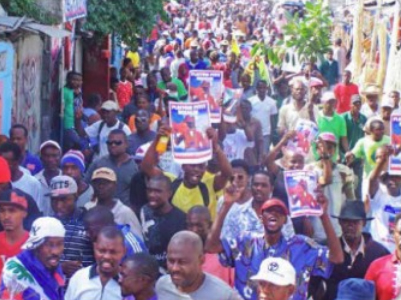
<point>137,278</point>
<point>104,182</point>
<point>99,281</point>
<point>245,252</point>
<point>73,165</point>
<point>199,221</point>
<point>36,273</point>
<point>50,154</point>
<point>21,180</point>
<point>19,135</point>
<point>160,220</point>
<point>78,250</point>
<point>190,281</point>
<point>359,249</point>
<point>118,160</point>
<point>13,210</point>
<point>143,133</point>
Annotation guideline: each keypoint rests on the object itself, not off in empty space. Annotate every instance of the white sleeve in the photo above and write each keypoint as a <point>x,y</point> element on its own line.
<point>273,108</point>
<point>92,130</point>
<point>126,130</point>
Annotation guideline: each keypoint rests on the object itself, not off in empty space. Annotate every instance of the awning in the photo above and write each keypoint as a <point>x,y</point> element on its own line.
<point>11,24</point>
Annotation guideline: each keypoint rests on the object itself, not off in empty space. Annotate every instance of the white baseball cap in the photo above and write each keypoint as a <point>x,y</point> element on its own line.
<point>43,228</point>
<point>110,105</point>
<point>276,270</point>
<point>327,96</point>
<point>387,102</point>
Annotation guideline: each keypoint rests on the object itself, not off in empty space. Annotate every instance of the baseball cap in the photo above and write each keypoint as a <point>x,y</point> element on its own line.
<point>194,43</point>
<point>41,229</point>
<point>5,174</point>
<point>387,102</point>
<point>274,202</point>
<point>327,96</point>
<point>356,98</point>
<point>62,185</point>
<point>104,173</point>
<point>328,137</point>
<point>276,270</point>
<point>49,143</point>
<point>110,105</point>
<point>14,197</point>
<point>224,43</point>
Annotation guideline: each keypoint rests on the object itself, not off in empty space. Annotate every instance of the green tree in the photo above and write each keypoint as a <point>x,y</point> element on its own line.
<point>28,8</point>
<point>126,18</point>
<point>310,35</point>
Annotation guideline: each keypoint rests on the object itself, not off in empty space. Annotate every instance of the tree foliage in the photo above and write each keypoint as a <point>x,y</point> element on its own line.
<point>126,18</point>
<point>28,8</point>
<point>310,35</point>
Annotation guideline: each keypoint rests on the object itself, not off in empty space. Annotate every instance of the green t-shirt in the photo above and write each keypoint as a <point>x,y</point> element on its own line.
<point>354,128</point>
<point>69,116</point>
<point>335,125</point>
<point>182,92</point>
<point>366,148</point>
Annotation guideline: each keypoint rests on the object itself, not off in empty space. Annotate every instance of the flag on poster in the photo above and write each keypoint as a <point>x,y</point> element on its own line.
<point>395,133</point>
<point>300,186</point>
<point>189,122</point>
<point>207,86</point>
<point>306,134</point>
<point>231,101</point>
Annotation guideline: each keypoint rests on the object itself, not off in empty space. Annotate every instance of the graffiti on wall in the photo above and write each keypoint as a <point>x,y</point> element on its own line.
<point>28,98</point>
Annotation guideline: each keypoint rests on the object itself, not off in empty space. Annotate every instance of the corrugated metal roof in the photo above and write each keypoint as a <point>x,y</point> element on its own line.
<point>11,24</point>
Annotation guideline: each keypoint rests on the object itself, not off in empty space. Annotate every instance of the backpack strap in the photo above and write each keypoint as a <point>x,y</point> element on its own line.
<point>202,187</point>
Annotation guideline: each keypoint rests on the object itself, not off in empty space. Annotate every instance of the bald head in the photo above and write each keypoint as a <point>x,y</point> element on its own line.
<point>187,239</point>
<point>298,90</point>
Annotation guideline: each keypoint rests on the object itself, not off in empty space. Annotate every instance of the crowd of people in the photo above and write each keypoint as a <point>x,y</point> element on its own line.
<point>107,213</point>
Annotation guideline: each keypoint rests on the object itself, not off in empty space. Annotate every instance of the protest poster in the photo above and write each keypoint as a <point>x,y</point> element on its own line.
<point>246,56</point>
<point>231,101</point>
<point>300,186</point>
<point>306,134</point>
<point>207,85</point>
<point>395,133</point>
<point>189,122</point>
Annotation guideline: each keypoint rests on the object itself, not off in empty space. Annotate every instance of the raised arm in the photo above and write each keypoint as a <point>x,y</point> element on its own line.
<point>225,174</point>
<point>213,243</point>
<point>270,160</point>
<point>336,255</point>
<point>325,158</point>
<point>151,159</point>
<point>381,161</point>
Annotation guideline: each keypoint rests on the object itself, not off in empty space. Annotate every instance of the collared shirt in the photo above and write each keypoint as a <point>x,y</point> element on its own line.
<point>360,250</point>
<point>289,115</point>
<point>243,218</point>
<point>354,128</point>
<point>85,284</point>
<point>246,252</point>
<point>263,110</point>
<point>77,246</point>
<point>385,272</point>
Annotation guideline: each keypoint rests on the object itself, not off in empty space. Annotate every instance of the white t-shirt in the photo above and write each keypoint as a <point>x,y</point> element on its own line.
<point>30,185</point>
<point>123,215</point>
<point>262,111</point>
<point>368,112</point>
<point>384,209</point>
<point>45,205</point>
<point>235,144</point>
<point>92,132</point>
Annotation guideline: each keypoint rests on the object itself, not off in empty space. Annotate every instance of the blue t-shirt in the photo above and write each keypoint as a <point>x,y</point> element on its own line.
<point>247,251</point>
<point>32,163</point>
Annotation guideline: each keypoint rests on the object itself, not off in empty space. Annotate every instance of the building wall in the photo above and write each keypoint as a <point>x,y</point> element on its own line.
<point>6,85</point>
<point>27,104</point>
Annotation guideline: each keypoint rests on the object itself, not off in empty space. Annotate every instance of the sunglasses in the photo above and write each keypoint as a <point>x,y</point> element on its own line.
<point>117,143</point>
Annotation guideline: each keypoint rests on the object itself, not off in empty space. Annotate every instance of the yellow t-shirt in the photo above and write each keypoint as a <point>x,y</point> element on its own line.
<point>135,58</point>
<point>185,198</point>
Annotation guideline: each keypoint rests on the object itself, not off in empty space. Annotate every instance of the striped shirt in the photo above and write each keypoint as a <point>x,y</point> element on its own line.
<point>133,243</point>
<point>77,245</point>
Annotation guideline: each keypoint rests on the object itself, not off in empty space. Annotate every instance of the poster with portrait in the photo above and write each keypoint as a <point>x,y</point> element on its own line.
<point>189,122</point>
<point>395,134</point>
<point>246,56</point>
<point>231,102</point>
<point>207,85</point>
<point>307,132</point>
<point>301,186</point>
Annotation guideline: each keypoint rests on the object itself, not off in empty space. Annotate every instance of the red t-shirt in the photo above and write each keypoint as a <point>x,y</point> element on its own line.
<point>7,250</point>
<point>383,272</point>
<point>343,94</point>
<point>213,266</point>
